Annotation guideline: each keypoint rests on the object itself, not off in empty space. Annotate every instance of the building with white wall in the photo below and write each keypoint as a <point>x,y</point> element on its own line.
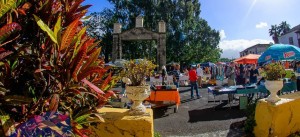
<point>256,49</point>
<point>292,37</point>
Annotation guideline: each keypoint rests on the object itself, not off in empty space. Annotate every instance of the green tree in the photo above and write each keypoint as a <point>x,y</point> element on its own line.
<point>274,32</point>
<point>284,27</point>
<point>278,30</point>
<point>189,37</point>
<point>225,60</point>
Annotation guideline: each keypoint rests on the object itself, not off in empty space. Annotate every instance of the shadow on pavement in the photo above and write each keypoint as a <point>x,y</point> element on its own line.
<point>186,90</point>
<point>236,129</point>
<point>210,114</point>
<point>188,100</point>
<point>160,112</point>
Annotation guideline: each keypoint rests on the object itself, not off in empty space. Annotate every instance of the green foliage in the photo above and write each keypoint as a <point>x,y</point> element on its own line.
<point>156,134</point>
<point>45,28</point>
<point>250,121</point>
<point>6,5</point>
<point>290,74</point>
<point>273,71</point>
<point>225,60</point>
<point>138,70</point>
<point>279,30</point>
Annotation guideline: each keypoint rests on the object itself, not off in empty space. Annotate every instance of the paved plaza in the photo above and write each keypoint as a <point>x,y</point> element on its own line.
<point>199,117</point>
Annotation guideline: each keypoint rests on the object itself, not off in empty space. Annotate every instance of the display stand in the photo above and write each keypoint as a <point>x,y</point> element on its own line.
<point>164,93</point>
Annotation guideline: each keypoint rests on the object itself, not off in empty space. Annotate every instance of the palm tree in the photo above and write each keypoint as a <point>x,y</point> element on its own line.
<point>284,27</point>
<point>274,32</point>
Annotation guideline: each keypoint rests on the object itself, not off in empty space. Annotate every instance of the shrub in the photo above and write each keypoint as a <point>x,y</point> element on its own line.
<point>250,121</point>
<point>49,64</point>
<point>138,70</point>
<point>273,71</point>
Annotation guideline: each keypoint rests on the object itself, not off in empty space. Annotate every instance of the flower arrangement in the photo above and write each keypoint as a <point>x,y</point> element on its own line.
<point>273,71</point>
<point>137,70</point>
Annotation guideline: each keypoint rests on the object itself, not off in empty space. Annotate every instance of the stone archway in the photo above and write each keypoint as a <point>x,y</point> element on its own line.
<point>140,33</point>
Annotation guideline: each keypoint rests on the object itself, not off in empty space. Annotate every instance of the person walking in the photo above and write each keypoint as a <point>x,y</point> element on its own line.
<point>176,74</point>
<point>231,74</point>
<point>164,74</point>
<point>193,81</point>
<point>199,71</point>
<point>253,74</point>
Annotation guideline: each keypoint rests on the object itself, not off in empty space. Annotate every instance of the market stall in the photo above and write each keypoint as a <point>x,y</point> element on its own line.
<point>248,59</point>
<point>164,93</point>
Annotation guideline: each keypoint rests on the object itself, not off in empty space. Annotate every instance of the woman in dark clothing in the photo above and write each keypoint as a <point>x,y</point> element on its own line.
<point>253,75</point>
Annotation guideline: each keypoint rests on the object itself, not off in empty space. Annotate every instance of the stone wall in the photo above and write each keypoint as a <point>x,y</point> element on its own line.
<point>118,123</point>
<point>280,119</point>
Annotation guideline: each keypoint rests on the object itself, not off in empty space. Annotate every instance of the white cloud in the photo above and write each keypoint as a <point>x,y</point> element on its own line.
<point>222,34</point>
<point>232,48</point>
<point>261,25</point>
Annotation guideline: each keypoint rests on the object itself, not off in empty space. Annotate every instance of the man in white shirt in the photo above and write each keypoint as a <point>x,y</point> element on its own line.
<point>199,71</point>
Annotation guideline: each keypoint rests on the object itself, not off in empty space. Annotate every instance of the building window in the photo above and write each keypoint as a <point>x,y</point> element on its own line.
<point>291,42</point>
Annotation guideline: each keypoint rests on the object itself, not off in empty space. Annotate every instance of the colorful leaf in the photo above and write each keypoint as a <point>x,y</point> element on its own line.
<point>69,34</point>
<point>80,133</point>
<point>91,70</point>
<point>45,28</point>
<point>82,8</point>
<point>54,102</point>
<point>92,86</point>
<point>50,125</point>
<point>92,58</point>
<point>99,117</point>
<point>82,118</point>
<point>8,30</point>
<point>5,7</point>
<point>95,44</point>
<point>57,27</point>
<point>74,7</point>
<point>106,81</point>
<point>4,54</point>
<point>79,59</point>
<point>79,36</point>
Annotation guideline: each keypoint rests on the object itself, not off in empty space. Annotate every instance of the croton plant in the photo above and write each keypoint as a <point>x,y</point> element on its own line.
<point>51,75</point>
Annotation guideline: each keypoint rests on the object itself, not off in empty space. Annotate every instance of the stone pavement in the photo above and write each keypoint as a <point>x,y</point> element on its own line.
<point>198,117</point>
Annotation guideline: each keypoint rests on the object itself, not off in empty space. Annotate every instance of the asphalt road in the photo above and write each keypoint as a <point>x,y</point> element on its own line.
<point>199,117</point>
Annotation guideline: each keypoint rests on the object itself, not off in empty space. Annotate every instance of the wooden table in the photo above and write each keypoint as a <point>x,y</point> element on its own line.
<point>165,95</point>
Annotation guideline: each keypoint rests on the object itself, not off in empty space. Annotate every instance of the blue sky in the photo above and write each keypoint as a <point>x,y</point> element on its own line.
<point>242,23</point>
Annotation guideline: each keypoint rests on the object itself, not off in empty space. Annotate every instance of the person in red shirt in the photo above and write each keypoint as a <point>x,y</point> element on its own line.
<point>193,81</point>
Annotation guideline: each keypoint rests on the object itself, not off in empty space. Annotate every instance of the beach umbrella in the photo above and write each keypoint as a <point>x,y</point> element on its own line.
<point>279,52</point>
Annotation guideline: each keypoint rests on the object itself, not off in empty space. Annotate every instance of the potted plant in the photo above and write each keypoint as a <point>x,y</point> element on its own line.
<point>273,73</point>
<point>135,74</point>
